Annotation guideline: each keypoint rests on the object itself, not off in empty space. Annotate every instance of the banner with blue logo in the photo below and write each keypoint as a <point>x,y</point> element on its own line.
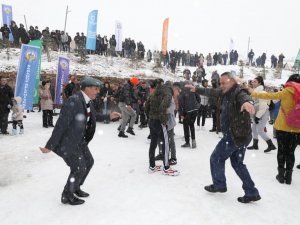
<point>26,77</point>
<point>62,79</point>
<point>92,30</point>
<point>118,34</point>
<point>7,17</point>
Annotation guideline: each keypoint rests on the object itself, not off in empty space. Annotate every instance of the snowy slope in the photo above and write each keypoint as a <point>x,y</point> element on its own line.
<point>123,193</point>
<point>123,68</point>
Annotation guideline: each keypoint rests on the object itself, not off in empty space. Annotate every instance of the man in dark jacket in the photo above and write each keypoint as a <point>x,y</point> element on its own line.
<point>142,96</point>
<point>236,105</point>
<point>72,133</point>
<point>6,95</point>
<point>23,34</point>
<point>126,100</point>
<point>72,87</point>
<point>5,32</point>
<point>156,108</point>
<point>189,104</point>
<point>250,57</point>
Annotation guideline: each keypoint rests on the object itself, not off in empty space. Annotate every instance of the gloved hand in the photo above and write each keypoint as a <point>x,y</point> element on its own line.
<point>256,120</point>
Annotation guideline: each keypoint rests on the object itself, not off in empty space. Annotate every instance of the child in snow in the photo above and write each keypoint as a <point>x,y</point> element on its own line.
<point>17,115</point>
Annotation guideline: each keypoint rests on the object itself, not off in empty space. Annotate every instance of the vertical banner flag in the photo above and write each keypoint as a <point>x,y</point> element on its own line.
<point>7,17</point>
<point>118,34</point>
<point>297,61</point>
<point>164,43</point>
<point>92,30</point>
<point>26,76</point>
<point>37,43</point>
<point>62,78</point>
<point>231,45</point>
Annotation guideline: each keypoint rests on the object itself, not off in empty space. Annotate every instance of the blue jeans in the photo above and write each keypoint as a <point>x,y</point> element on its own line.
<point>227,149</point>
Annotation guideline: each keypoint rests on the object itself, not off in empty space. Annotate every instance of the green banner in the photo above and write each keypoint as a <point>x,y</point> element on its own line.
<point>297,61</point>
<point>37,43</point>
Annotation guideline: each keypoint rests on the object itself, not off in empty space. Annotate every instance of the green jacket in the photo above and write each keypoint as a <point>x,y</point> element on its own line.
<point>158,103</point>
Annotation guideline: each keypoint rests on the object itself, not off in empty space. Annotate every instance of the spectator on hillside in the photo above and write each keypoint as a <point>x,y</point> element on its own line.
<point>5,32</point>
<point>15,33</point>
<point>250,57</point>
<point>23,34</point>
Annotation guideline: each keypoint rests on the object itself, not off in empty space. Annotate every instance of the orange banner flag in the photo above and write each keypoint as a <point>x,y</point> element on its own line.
<point>164,43</point>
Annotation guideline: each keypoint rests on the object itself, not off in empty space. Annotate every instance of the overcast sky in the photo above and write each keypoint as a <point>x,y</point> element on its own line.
<point>195,25</point>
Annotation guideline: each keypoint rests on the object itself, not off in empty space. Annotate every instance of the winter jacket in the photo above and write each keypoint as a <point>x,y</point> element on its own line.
<point>260,105</point>
<point>46,100</point>
<point>188,102</point>
<point>126,94</point>
<point>70,133</point>
<point>286,97</point>
<point>6,95</point>
<point>158,103</point>
<point>17,109</point>
<point>142,94</point>
<point>234,123</point>
<point>171,123</point>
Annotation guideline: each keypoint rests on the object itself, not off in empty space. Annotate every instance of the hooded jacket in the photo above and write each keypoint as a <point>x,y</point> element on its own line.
<point>287,99</point>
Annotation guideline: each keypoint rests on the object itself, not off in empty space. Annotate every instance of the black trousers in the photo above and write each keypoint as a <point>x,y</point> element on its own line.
<point>142,114</point>
<point>4,122</point>
<point>188,125</point>
<point>158,132</point>
<point>47,117</point>
<point>287,143</point>
<point>80,165</point>
<point>19,123</point>
<point>202,113</point>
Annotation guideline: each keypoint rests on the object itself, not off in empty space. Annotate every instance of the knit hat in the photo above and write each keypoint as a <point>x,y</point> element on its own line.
<point>134,80</point>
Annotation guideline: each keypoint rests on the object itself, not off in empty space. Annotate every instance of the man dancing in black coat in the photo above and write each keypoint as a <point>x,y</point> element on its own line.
<point>72,133</point>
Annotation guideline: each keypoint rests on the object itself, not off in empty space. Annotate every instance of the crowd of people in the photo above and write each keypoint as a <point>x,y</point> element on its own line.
<point>57,40</point>
<point>239,111</point>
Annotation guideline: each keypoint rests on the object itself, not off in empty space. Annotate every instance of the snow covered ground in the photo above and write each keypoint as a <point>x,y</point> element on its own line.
<point>123,193</point>
<point>124,68</point>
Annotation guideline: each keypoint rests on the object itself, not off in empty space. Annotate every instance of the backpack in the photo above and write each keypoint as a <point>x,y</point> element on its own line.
<point>293,118</point>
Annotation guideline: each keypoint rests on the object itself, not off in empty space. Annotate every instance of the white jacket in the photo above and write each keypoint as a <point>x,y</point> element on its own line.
<point>260,105</point>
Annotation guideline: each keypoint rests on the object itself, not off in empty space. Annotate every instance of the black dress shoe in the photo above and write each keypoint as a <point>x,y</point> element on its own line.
<point>211,188</point>
<point>71,199</point>
<point>130,131</point>
<point>247,199</point>
<point>122,134</point>
<point>81,193</point>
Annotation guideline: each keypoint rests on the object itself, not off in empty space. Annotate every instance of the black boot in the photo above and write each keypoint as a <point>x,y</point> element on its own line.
<point>271,146</point>
<point>130,131</point>
<point>69,198</point>
<point>81,193</point>
<point>298,166</point>
<point>248,199</point>
<point>186,145</point>
<point>254,146</point>
<point>280,177</point>
<point>122,134</point>
<point>288,176</point>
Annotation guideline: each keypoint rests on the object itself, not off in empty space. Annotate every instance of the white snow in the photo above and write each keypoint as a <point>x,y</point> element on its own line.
<point>103,66</point>
<point>121,190</point>
<point>123,193</point>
